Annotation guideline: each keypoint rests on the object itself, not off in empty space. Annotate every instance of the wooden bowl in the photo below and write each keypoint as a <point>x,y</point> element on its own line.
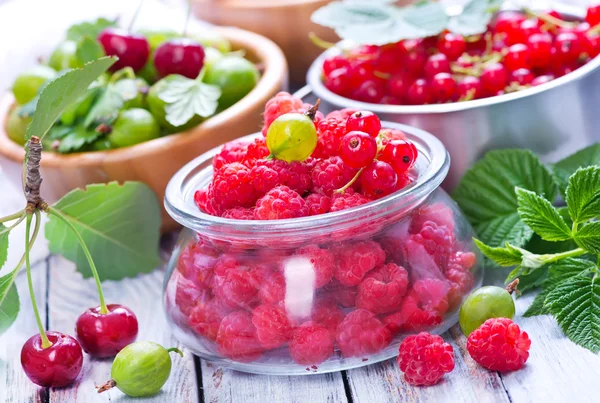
<point>155,161</point>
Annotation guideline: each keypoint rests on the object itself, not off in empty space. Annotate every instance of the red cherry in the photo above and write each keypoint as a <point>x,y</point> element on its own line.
<point>569,47</point>
<point>521,76</point>
<point>592,15</point>
<point>364,121</point>
<point>400,154</point>
<point>132,50</point>
<point>437,63</point>
<point>539,80</point>
<point>378,179</point>
<point>334,63</point>
<point>56,366</point>
<point>494,78</point>
<point>179,56</point>
<point>419,93</point>
<point>104,335</point>
<point>452,45</point>
<point>540,49</point>
<point>357,149</point>
<point>443,87</point>
<point>337,81</point>
<point>517,57</point>
<point>469,88</point>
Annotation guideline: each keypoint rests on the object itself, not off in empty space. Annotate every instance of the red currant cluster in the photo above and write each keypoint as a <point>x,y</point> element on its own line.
<point>518,51</point>
<point>355,161</point>
<point>322,300</point>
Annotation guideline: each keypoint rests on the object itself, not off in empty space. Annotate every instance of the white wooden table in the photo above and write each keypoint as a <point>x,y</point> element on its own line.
<point>557,370</point>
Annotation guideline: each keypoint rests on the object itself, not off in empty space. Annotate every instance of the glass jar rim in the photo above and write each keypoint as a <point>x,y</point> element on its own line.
<point>432,165</point>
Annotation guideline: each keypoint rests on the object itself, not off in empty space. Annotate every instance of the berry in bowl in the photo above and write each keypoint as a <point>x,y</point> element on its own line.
<point>523,80</point>
<point>316,245</point>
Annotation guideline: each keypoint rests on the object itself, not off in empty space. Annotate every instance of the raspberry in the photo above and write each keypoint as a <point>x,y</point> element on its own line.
<point>325,312</point>
<point>205,200</point>
<point>239,213</point>
<point>205,318</point>
<point>234,151</point>
<point>425,358</point>
<point>466,260</point>
<point>256,150</point>
<point>411,317</point>
<point>318,204</point>
<point>196,263</point>
<point>311,344</point>
<point>331,174</point>
<point>267,174</point>
<point>341,114</point>
<point>499,345</point>
<point>437,240</point>
<point>348,199</point>
<point>330,132</point>
<point>280,104</point>
<point>432,294</point>
<point>272,288</point>
<point>382,289</point>
<point>272,325</point>
<point>280,202</point>
<point>187,295</point>
<point>236,283</point>
<point>354,260</point>
<point>344,296</point>
<point>438,213</point>
<point>237,339</point>
<point>461,283</point>
<point>361,334</point>
<point>322,261</point>
<point>232,186</point>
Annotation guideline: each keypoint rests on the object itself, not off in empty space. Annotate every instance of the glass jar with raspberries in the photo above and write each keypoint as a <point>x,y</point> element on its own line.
<point>316,245</point>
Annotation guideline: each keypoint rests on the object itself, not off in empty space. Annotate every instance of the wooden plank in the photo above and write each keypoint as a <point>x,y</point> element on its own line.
<point>70,295</point>
<point>15,387</point>
<point>226,386</point>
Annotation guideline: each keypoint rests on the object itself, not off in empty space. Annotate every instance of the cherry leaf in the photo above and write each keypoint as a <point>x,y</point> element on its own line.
<point>119,224</point>
<point>3,245</point>
<point>91,29</point>
<point>9,300</point>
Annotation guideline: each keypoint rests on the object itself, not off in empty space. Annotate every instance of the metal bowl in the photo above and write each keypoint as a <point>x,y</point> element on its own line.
<point>553,120</point>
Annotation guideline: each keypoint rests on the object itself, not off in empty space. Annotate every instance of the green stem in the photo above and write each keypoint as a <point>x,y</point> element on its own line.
<point>19,221</point>
<point>187,17</point>
<point>64,218</point>
<point>175,350</point>
<point>347,185</point>
<point>323,44</point>
<point>135,16</point>
<point>18,214</point>
<point>45,342</point>
<point>547,18</point>
<point>559,256</point>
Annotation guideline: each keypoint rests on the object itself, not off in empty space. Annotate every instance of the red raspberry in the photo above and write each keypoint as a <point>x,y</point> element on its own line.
<point>325,312</point>
<point>235,282</point>
<point>187,294</point>
<point>437,240</point>
<point>344,296</point>
<point>257,150</point>
<point>425,358</point>
<point>461,283</point>
<point>196,263</point>
<point>323,262</point>
<point>348,200</point>
<point>318,204</point>
<point>432,294</point>
<point>234,151</point>
<point>206,317</point>
<point>439,213</point>
<point>331,174</point>
<point>356,259</point>
<point>411,317</point>
<point>281,202</point>
<point>361,334</point>
<point>272,326</point>
<point>383,289</point>
<point>236,338</point>
<point>272,288</point>
<point>267,174</point>
<point>330,132</point>
<point>232,186</point>
<point>340,114</point>
<point>239,213</point>
<point>205,200</point>
<point>499,345</point>
<point>311,344</point>
<point>280,104</point>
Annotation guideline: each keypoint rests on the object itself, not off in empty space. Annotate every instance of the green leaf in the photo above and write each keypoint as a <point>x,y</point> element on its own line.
<point>588,237</point>
<point>90,29</point>
<point>9,300</point>
<point>486,194</point>
<point>76,138</point>
<point>119,223</point>
<point>583,194</point>
<point>575,303</point>
<point>541,216</point>
<point>502,256</point>
<point>537,305</point>
<point>105,109</point>
<point>474,18</point>
<point>532,280</point>
<point>3,245</point>
<point>563,169</point>
<point>186,98</point>
<point>337,14</point>
<point>88,49</point>
<point>63,91</point>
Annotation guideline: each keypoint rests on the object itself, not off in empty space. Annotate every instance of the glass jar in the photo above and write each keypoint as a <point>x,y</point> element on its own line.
<point>321,293</point>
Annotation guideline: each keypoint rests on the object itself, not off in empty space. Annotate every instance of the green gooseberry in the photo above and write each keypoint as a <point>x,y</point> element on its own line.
<point>211,55</point>
<point>157,107</point>
<point>64,56</point>
<point>292,137</point>
<point>133,126</point>
<point>213,39</point>
<point>485,303</point>
<point>235,76</point>
<point>134,92</point>
<point>27,85</point>
<point>16,126</point>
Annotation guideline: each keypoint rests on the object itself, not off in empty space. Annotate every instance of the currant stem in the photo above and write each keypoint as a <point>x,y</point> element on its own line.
<point>18,214</point>
<point>135,16</point>
<point>347,185</point>
<point>45,342</point>
<point>323,44</point>
<point>549,18</point>
<point>58,214</point>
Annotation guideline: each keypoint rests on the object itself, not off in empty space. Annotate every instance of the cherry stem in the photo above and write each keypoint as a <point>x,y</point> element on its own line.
<point>135,16</point>
<point>126,72</point>
<point>323,44</point>
<point>187,17</point>
<point>549,19</point>
<point>8,229</point>
<point>64,218</point>
<point>175,350</point>
<point>108,385</point>
<point>347,185</point>
<point>18,214</point>
<point>45,342</point>
<point>512,287</point>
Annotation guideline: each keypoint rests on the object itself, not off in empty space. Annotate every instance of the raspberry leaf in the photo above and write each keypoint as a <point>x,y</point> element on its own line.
<point>186,98</point>
<point>9,300</point>
<point>583,194</point>
<point>575,303</point>
<point>3,245</point>
<point>541,216</point>
<point>563,169</point>
<point>474,18</point>
<point>502,256</point>
<point>119,224</point>
<point>588,237</point>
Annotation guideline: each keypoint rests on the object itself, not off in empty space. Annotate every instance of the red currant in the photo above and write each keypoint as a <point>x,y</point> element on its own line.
<point>526,29</point>
<point>400,154</point>
<point>494,78</point>
<point>443,87</point>
<point>333,63</point>
<point>539,80</point>
<point>361,72</point>
<point>389,60</point>
<point>104,335</point>
<point>569,47</point>
<point>370,91</point>
<point>56,366</point>
<point>592,15</point>
<point>414,60</point>
<point>132,50</point>
<point>508,23</point>
<point>419,93</point>
<point>337,81</point>
<point>179,56</point>
<point>452,45</point>
<point>592,44</point>
<point>469,88</point>
<point>437,63</point>
<point>357,149</point>
<point>397,86</point>
<point>521,76</point>
<point>540,49</point>
<point>378,179</point>
<point>364,121</point>
<point>517,57</point>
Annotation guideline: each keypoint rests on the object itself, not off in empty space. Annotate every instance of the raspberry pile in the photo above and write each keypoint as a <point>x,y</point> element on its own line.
<point>359,298</point>
<point>353,162</point>
<point>519,50</point>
